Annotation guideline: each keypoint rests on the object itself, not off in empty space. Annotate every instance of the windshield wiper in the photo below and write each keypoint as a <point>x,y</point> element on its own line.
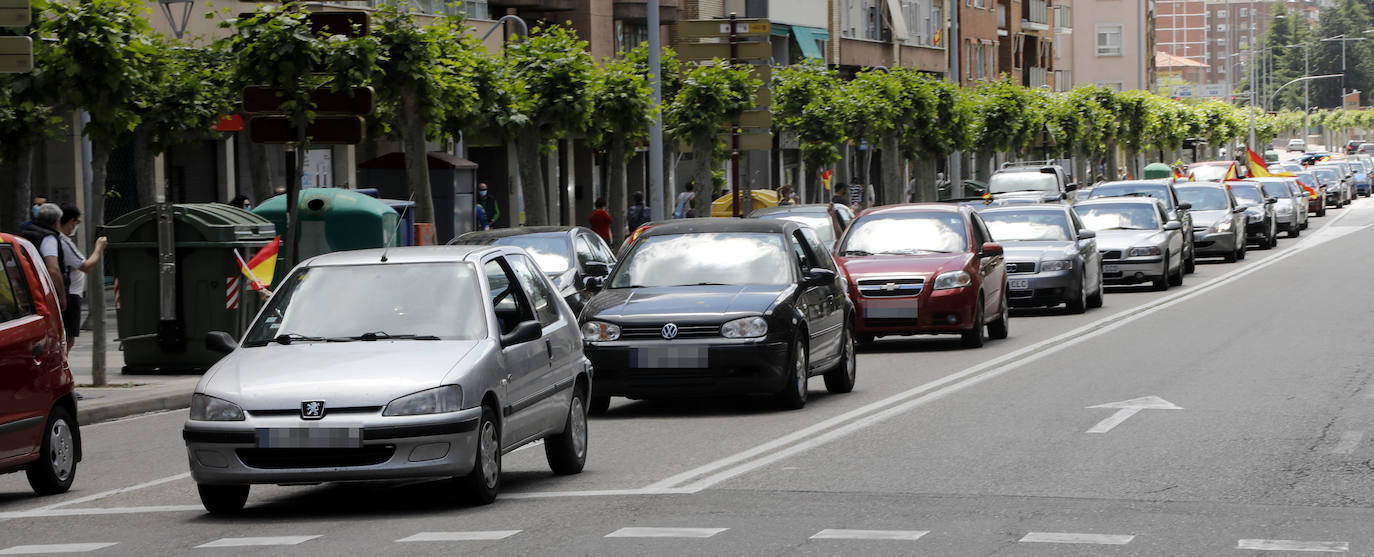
<point>383,335</point>
<point>705,284</point>
<point>286,339</point>
<point>913,251</point>
<point>858,252</point>
<point>1021,190</point>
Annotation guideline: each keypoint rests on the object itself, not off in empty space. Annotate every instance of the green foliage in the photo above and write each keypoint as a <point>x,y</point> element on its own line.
<point>186,92</point>
<point>669,64</point>
<point>549,76</point>
<point>711,96</point>
<point>98,61</point>
<point>805,103</point>
<point>26,114</point>
<point>622,105</point>
<point>1006,116</point>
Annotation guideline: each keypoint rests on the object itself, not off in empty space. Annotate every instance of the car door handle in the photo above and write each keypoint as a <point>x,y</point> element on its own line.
<point>38,350</point>
<point>548,345</point>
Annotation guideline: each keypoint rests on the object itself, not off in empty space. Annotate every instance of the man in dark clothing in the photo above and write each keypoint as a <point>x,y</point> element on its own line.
<point>37,201</point>
<point>43,234</point>
<point>638,213</point>
<point>489,204</point>
<point>600,220</point>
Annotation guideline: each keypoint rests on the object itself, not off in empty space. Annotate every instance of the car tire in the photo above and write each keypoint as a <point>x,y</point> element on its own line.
<point>840,379</point>
<point>55,469</point>
<point>865,339</point>
<point>793,394</point>
<point>1295,231</point>
<point>223,499</point>
<point>1001,326</point>
<point>483,482</point>
<point>1095,299</point>
<point>1321,212</point>
<point>1231,257</point>
<point>976,337</point>
<point>1190,264</point>
<point>1162,283</point>
<point>1176,279</point>
<point>598,405</point>
<point>567,451</point>
<point>1274,237</point>
<point>1079,303</point>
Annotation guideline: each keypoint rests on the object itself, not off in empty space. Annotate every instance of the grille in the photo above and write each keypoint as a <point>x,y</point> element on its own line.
<point>656,332</point>
<point>327,410</point>
<point>1111,254</point>
<point>278,459</point>
<point>669,377</point>
<point>1021,267</point>
<point>891,288</point>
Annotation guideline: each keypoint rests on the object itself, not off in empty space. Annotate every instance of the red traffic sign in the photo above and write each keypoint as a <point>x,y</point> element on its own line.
<point>358,100</point>
<point>229,123</point>
<point>327,130</point>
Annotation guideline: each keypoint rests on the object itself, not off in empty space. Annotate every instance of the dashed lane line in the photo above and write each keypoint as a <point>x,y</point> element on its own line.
<point>54,548</point>
<point>1066,537</point>
<point>257,542</point>
<point>104,494</point>
<point>1292,545</point>
<point>643,532</point>
<point>459,536</point>
<point>896,535</point>
<point>1350,441</point>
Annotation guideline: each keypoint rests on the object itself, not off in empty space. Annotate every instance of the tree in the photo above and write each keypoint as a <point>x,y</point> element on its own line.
<point>805,103</point>
<point>622,109</point>
<point>26,119</point>
<point>1003,118</point>
<point>669,84</point>
<point>711,96</point>
<point>1349,18</point>
<point>874,106</point>
<point>185,93</point>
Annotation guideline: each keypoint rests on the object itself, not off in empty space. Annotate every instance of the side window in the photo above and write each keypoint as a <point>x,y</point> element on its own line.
<point>585,252</point>
<point>541,295</point>
<point>818,249</point>
<point>507,298</point>
<point>1163,215</point>
<point>980,233</point>
<point>804,260</point>
<point>1073,221</point>
<point>604,251</point>
<point>15,300</point>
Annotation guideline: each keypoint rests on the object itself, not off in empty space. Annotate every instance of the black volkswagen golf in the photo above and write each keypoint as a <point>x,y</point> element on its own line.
<point>721,306</point>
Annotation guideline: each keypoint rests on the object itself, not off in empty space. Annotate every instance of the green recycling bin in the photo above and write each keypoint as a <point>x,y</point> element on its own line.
<point>176,278</point>
<point>334,219</point>
<point>1157,170</point>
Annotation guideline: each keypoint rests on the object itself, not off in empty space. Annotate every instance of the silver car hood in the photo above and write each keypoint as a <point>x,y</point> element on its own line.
<point>1034,251</point>
<point>1210,218</point>
<point>351,374</point>
<point>1124,239</point>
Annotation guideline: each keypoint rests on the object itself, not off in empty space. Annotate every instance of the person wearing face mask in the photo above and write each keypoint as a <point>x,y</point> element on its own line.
<point>489,204</point>
<point>75,266</point>
<point>38,201</point>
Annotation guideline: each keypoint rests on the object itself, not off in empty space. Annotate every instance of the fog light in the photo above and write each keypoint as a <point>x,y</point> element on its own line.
<point>429,451</point>
<point>951,319</point>
<point>1139,275</point>
<point>212,459</point>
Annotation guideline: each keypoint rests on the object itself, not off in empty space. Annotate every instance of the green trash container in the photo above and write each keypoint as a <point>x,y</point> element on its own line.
<point>1157,170</point>
<point>162,329</point>
<point>334,219</point>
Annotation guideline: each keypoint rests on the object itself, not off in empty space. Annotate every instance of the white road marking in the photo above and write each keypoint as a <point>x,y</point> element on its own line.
<point>1064,537</point>
<point>105,494</point>
<point>1291,545</point>
<point>54,548</point>
<point>460,536</point>
<point>39,513</point>
<point>127,419</point>
<point>1350,441</point>
<point>596,493</point>
<point>837,427</point>
<point>253,542</point>
<point>903,535</point>
<point>665,532</point>
<point>1129,408</point>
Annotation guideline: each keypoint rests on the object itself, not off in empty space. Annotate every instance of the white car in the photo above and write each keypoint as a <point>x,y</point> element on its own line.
<point>1297,145</point>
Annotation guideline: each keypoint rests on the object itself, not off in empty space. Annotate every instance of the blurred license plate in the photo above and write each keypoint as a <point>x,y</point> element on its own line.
<point>310,437</point>
<point>1018,284</point>
<point>691,357</point>
<point>890,309</point>
<point>1111,269</point>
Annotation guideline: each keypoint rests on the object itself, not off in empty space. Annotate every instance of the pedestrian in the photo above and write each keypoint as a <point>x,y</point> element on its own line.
<point>857,198</point>
<point>76,265</point>
<point>685,200</point>
<point>489,204</point>
<point>38,200</point>
<point>241,202</point>
<point>600,220</point>
<point>638,213</point>
<point>786,196</point>
<point>42,232</point>
<point>483,223</point>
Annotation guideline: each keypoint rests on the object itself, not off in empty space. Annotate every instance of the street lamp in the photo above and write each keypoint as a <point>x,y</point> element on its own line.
<point>180,20</point>
<point>1343,39</point>
<point>1306,100</point>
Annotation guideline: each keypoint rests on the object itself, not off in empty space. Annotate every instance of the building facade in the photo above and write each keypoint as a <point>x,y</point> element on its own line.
<point>1114,44</point>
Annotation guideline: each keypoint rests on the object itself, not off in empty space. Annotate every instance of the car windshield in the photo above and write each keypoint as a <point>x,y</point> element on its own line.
<point>1157,191</point>
<point>1006,182</point>
<point>428,300</point>
<point>1204,199</point>
<point>906,234</point>
<point>1249,195</point>
<point>1276,189</point>
<point>705,258</point>
<point>819,222</point>
<point>553,254</point>
<point>1209,172</point>
<point>1327,174</point>
<point>1119,216</point>
<point>1027,226</point>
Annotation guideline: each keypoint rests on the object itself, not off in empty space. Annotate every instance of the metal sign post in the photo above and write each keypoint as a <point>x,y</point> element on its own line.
<point>734,127</point>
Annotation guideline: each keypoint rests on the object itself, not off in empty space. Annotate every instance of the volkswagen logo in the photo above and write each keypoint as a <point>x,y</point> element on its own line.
<point>312,409</point>
<point>669,331</point>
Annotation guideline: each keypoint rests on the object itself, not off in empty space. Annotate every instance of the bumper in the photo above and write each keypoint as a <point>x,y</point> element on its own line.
<point>1257,231</point>
<point>439,445</point>
<point>1043,289</point>
<point>937,312</point>
<point>1214,243</point>
<point>731,366</point>
<point>1127,271</point>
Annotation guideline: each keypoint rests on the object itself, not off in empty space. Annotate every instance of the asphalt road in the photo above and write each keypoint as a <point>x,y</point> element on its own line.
<point>1256,436</point>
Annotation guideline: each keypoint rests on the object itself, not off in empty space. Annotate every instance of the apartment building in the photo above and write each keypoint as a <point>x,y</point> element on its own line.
<point>1232,26</point>
<point>1026,30</point>
<point>1181,30</point>
<point>1115,44</point>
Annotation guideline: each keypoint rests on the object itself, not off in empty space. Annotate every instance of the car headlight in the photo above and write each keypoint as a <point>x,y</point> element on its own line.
<point>1142,251</point>
<point>1222,226</point>
<point>952,279</point>
<point>1047,265</point>
<point>1253,217</point>
<point>748,327</point>
<point>448,398</point>
<point>593,331</point>
<point>205,408</point>
<point>1284,209</point>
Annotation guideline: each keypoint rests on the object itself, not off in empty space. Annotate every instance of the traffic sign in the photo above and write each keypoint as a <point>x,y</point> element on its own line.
<point>1211,90</point>
<point>16,54</point>
<point>15,13</point>
<point>699,28</point>
<point>325,130</point>
<point>1183,91</point>
<point>762,50</point>
<point>358,100</point>
<point>756,119</point>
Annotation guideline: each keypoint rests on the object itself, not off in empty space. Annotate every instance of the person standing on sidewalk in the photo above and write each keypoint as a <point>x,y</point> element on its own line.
<point>683,209</point>
<point>600,220</point>
<point>638,213</point>
<point>42,232</point>
<point>76,266</point>
<point>489,205</point>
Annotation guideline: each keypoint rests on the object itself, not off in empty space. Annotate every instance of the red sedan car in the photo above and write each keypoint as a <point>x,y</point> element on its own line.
<point>925,269</point>
<point>38,429</point>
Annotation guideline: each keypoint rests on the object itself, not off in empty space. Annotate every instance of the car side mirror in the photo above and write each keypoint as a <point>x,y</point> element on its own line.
<point>593,284</point>
<point>526,331</point>
<point>1173,225</point>
<point>220,341</point>
<point>1240,209</point>
<point>596,269</point>
<point>1086,234</point>
<point>818,277</point>
<point>1185,206</point>
<point>1071,186</point>
<point>1271,200</point>
<point>991,249</point>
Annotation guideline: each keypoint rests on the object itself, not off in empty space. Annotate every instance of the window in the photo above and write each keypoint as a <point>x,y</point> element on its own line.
<point>1244,12</point>
<point>1221,27</point>
<point>541,295</point>
<point>15,301</point>
<point>507,299</point>
<point>1109,39</point>
<point>1113,85</point>
<point>585,253</point>
<point>1220,13</point>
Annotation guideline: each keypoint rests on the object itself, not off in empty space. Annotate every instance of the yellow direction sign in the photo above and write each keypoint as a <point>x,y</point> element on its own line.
<point>698,28</point>
<point>16,54</point>
<point>707,51</point>
<point>756,119</point>
<point>751,141</point>
<point>15,13</point>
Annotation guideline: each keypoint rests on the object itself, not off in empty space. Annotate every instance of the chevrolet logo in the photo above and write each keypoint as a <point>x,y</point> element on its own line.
<point>889,287</point>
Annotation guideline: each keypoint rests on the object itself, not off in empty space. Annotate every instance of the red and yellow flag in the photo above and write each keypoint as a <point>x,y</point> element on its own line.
<point>262,266</point>
<point>1310,192</point>
<point>1256,164</point>
<point>825,178</point>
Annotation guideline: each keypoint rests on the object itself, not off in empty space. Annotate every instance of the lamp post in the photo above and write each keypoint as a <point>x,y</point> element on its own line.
<point>1306,72</point>
<point>1343,39</point>
<point>178,21</point>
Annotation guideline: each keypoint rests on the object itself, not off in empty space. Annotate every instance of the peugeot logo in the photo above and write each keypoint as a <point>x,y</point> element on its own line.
<point>312,409</point>
<point>669,331</point>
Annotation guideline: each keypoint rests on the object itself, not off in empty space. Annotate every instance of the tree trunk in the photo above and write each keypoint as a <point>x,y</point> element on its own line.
<point>894,189</point>
<point>259,173</point>
<point>145,176</point>
<point>14,206</point>
<point>95,283</point>
<point>293,198</point>
<point>615,189</point>
<point>703,149</point>
<point>417,159</point>
<point>1112,165</point>
<point>813,184</point>
<point>1133,163</point>
<point>671,158</point>
<point>867,179</point>
<point>531,176</point>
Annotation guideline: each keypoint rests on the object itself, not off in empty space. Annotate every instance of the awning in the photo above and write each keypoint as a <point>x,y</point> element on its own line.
<point>806,39</point>
<point>897,19</point>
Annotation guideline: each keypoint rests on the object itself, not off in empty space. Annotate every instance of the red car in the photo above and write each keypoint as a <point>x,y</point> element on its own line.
<point>925,269</point>
<point>38,429</point>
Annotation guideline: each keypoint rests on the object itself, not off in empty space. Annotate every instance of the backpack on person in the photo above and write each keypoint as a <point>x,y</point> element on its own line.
<point>35,233</point>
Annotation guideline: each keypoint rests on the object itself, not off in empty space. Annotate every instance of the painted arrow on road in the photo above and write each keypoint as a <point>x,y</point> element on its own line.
<point>1128,408</point>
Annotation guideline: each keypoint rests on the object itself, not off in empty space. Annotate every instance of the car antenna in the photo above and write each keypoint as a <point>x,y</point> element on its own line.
<point>397,232</point>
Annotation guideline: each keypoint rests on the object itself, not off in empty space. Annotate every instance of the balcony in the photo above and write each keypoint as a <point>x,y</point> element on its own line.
<point>533,5</point>
<point>1063,20</point>
<point>1003,25</point>
<point>1036,16</point>
<point>637,11</point>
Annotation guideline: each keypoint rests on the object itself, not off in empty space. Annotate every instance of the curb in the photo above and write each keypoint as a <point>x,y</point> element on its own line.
<point>96,413</point>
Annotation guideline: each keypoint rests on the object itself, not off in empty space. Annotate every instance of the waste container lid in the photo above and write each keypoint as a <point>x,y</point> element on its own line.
<point>1157,170</point>
<point>211,222</point>
<point>315,203</point>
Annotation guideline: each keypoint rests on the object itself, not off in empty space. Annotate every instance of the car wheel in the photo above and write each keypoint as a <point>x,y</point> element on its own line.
<point>1095,299</point>
<point>1231,257</point>
<point>840,379</point>
<point>1274,236</point>
<point>484,481</point>
<point>1240,254</point>
<point>1176,279</point>
<point>1162,283</point>
<point>865,339</point>
<point>567,451</point>
<point>1321,212</point>
<point>793,394</point>
<point>1295,231</point>
<point>975,337</point>
<point>55,468</point>
<point>1079,303</point>
<point>1190,264</point>
<point>223,499</point>
<point>598,405</point>
<point>999,328</point>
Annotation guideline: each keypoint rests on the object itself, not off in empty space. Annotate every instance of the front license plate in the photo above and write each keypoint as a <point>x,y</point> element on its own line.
<point>310,437</point>
<point>1018,284</point>
<point>672,357</point>
<point>1111,269</point>
<point>890,309</point>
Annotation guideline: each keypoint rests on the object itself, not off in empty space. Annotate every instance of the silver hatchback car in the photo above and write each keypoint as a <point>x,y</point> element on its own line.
<point>387,364</point>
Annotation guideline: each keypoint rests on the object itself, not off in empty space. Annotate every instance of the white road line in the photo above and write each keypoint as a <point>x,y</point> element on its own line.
<point>459,536</point>
<point>254,542</point>
<point>131,418</point>
<point>902,535</point>
<point>105,494</point>
<point>665,532</point>
<point>823,432</point>
<point>1064,537</point>
<point>39,513</point>
<point>1291,545</point>
<point>54,548</point>
<point>596,493</point>
<point>1350,441</point>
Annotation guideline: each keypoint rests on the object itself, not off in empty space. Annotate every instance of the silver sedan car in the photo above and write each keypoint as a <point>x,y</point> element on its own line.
<point>387,364</point>
<point>1138,241</point>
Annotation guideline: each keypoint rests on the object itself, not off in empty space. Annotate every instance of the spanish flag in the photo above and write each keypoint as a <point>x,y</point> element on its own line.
<point>1254,162</point>
<point>825,178</point>
<point>262,266</point>
<point>1310,192</point>
<point>1231,173</point>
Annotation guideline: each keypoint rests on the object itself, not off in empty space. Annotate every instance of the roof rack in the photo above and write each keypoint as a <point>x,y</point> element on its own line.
<point>1023,164</point>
